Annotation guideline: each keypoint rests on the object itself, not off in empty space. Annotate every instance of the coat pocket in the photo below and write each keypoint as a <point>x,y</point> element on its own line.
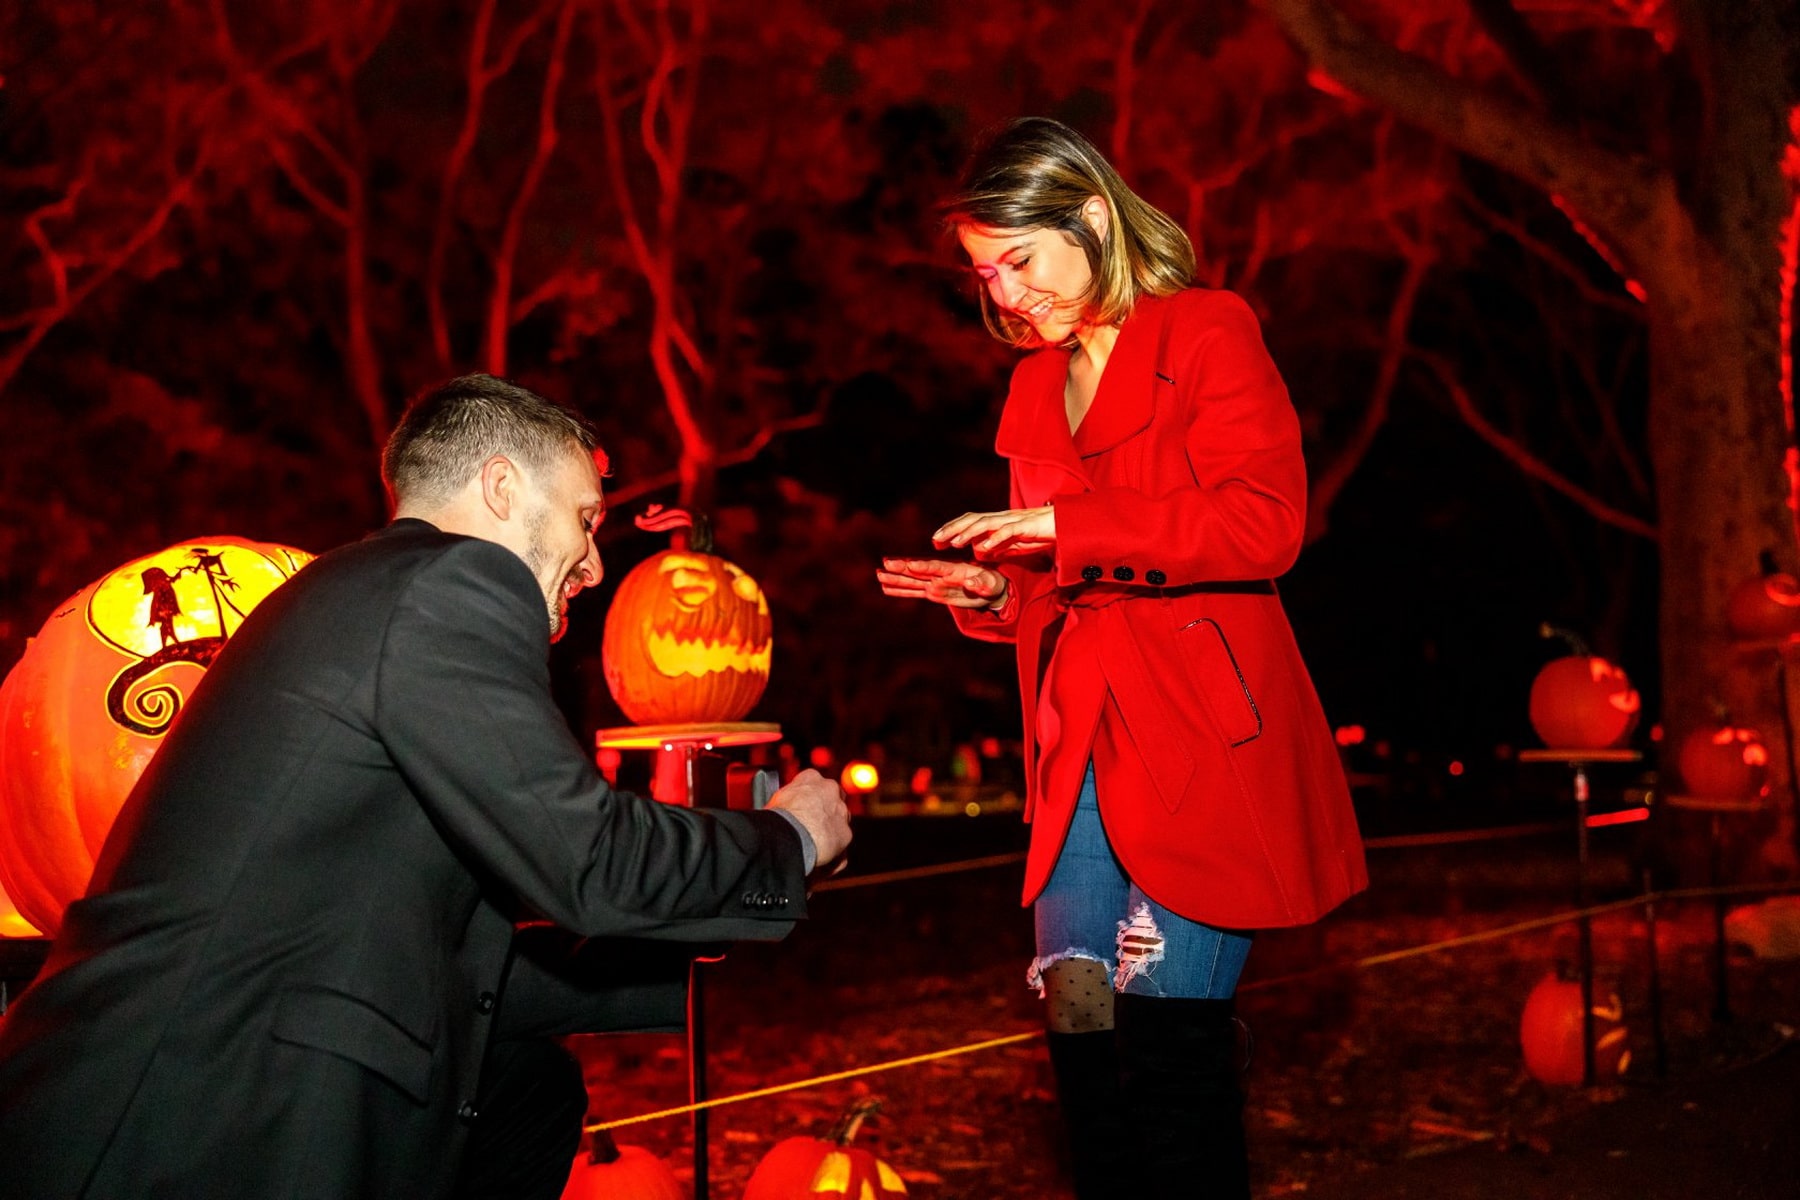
<point>1221,681</point>
<point>354,1029</point>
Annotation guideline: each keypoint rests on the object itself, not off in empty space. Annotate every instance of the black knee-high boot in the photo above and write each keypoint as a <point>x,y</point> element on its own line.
<point>1181,1097</point>
<point>1087,1088</point>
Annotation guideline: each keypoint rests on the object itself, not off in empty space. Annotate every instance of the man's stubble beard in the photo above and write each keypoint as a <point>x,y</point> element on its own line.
<point>539,558</point>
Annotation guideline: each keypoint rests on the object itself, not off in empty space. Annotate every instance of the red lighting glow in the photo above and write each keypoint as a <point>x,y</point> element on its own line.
<point>1351,735</point>
<point>861,777</point>
<point>1624,816</point>
<point>1456,768</point>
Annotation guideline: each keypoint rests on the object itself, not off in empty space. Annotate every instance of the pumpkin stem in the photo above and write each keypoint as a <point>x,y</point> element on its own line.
<point>845,1130</point>
<point>1576,643</point>
<point>686,531</point>
<point>601,1148</point>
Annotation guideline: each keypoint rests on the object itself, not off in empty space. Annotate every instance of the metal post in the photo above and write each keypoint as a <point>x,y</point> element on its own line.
<point>1584,926</point>
<point>1721,999</point>
<point>697,1077</point>
<point>1658,1043</point>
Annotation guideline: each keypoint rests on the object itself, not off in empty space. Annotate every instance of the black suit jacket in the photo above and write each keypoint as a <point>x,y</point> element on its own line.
<point>296,942</point>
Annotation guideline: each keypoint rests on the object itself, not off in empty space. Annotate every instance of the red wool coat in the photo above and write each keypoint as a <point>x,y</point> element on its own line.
<point>1152,641</point>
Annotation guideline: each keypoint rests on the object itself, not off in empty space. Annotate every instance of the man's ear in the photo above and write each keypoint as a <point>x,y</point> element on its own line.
<point>501,486</point>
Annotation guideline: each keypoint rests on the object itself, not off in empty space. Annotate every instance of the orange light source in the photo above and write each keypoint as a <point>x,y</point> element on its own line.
<point>861,777</point>
<point>86,708</point>
<point>1351,735</point>
<point>688,637</point>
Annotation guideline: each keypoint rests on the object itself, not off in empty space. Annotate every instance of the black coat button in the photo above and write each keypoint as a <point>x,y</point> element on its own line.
<point>781,902</point>
<point>1124,574</point>
<point>749,899</point>
<point>1090,573</point>
<point>484,1003</point>
<point>467,1113</point>
<point>1155,578</point>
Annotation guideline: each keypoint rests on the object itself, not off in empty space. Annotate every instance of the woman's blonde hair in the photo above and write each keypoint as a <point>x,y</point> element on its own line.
<point>1037,174</point>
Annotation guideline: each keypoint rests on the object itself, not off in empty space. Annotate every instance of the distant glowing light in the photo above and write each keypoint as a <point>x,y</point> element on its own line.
<point>821,757</point>
<point>1456,767</point>
<point>861,777</point>
<point>1623,817</point>
<point>1351,735</point>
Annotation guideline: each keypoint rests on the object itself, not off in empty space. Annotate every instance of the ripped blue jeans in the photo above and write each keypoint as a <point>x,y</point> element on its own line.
<point>1091,910</point>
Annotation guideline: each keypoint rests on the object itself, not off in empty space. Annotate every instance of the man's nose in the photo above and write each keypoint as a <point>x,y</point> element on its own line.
<point>591,570</point>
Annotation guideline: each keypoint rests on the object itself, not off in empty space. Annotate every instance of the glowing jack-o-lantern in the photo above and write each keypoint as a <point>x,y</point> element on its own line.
<point>1550,1032</point>
<point>1766,606</point>
<point>1726,763</point>
<point>11,923</point>
<point>828,1166</point>
<point>1581,701</point>
<point>85,709</point>
<point>688,637</point>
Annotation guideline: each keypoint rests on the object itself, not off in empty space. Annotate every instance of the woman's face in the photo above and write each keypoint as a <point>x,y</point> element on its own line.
<point>1039,275</point>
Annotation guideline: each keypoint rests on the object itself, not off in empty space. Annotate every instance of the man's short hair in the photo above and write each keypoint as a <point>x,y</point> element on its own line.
<point>449,430</point>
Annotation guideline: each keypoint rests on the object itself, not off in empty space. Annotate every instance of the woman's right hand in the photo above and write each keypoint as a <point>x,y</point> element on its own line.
<point>957,584</point>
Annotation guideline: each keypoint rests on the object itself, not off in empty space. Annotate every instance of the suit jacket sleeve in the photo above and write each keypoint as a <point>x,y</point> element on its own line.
<point>463,704</point>
<point>1245,514</point>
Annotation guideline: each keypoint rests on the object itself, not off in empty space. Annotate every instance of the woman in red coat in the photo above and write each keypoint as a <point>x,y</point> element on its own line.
<point>1184,788</point>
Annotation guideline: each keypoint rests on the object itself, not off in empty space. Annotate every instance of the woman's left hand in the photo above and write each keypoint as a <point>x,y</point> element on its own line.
<point>1011,533</point>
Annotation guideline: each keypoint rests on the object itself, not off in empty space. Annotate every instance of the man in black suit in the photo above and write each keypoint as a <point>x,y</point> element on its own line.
<point>299,943</point>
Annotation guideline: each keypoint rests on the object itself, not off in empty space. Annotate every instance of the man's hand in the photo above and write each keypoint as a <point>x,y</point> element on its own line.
<point>817,803</point>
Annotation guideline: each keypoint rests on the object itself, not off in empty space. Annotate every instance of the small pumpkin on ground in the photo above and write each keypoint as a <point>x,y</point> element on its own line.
<point>609,1171</point>
<point>801,1167</point>
<point>1550,1031</point>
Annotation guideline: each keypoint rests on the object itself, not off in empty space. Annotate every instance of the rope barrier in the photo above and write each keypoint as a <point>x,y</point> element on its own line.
<point>1363,963</point>
<point>1402,841</point>
<point>820,1080</point>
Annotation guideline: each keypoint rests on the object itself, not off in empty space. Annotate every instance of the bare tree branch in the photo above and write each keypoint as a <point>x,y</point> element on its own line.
<point>1624,198</point>
<point>1526,53</point>
<point>1536,468</point>
<point>1325,489</point>
<point>500,300</point>
<point>743,454</point>
<point>481,75</point>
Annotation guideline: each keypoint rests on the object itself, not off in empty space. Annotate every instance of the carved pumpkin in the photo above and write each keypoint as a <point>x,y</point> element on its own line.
<point>800,1167</point>
<point>688,638</point>
<point>609,1171</point>
<point>84,710</point>
<point>11,923</point>
<point>1550,1034</point>
<point>1582,702</point>
<point>1766,605</point>
<point>1725,763</point>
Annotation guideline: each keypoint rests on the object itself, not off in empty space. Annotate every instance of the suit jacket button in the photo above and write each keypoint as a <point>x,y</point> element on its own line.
<point>781,902</point>
<point>749,900</point>
<point>1124,574</point>
<point>1090,573</point>
<point>484,1003</point>
<point>1155,578</point>
<point>467,1113</point>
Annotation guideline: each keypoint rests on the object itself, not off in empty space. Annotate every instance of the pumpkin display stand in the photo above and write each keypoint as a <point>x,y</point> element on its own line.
<point>679,751</point>
<point>1578,760</point>
<point>686,652</point>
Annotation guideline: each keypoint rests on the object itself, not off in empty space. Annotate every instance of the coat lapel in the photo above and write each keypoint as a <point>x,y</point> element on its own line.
<point>1034,429</point>
<point>1124,404</point>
